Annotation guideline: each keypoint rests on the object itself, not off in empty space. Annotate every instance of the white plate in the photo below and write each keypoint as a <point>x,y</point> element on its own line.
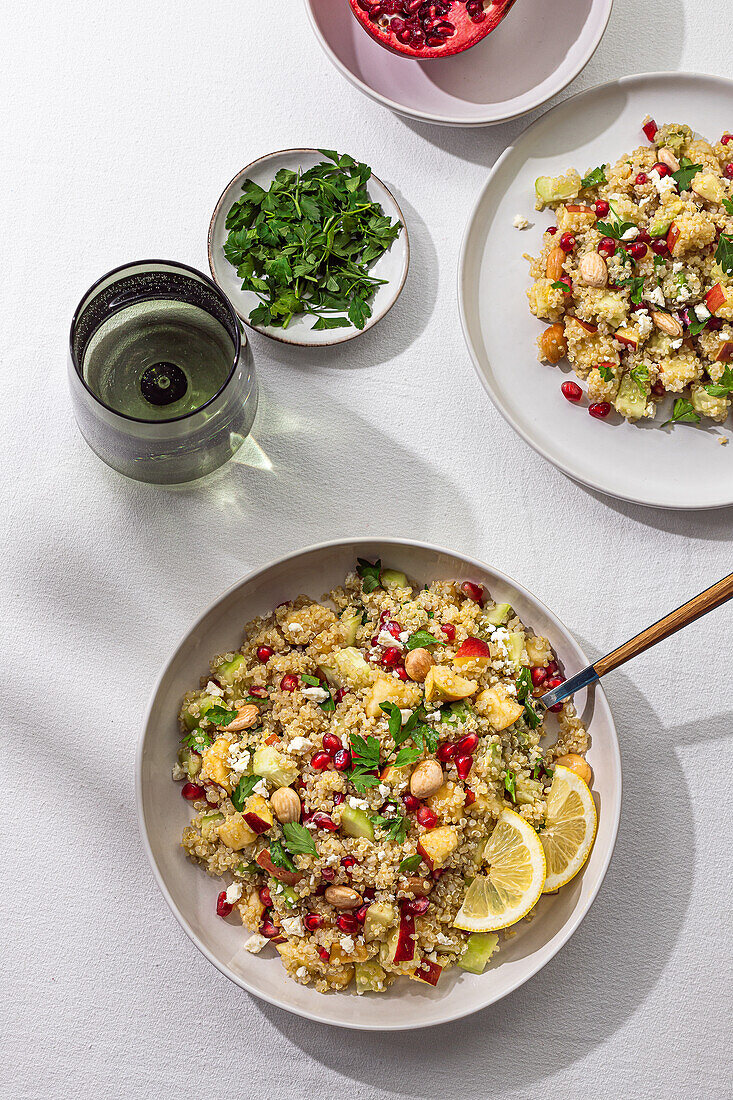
<point>531,56</point>
<point>191,894</point>
<point>392,265</point>
<point>678,467</point>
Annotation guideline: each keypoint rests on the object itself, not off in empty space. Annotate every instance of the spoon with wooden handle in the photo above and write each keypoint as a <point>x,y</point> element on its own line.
<point>694,609</point>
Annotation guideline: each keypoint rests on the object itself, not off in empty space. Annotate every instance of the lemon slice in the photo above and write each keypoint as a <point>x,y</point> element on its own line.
<point>570,827</point>
<point>513,881</point>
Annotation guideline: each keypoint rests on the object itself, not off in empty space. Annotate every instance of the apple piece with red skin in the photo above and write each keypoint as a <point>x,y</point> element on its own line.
<point>257,814</point>
<point>715,298</point>
<point>673,235</point>
<point>405,947</point>
<point>724,353</point>
<point>580,208</point>
<point>473,649</point>
<point>585,325</point>
<point>627,337</point>
<point>290,878</point>
<point>429,972</point>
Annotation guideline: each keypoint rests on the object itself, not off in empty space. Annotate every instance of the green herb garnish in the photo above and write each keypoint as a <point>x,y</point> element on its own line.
<point>365,759</point>
<point>685,172</point>
<point>724,252</point>
<point>280,857</point>
<point>198,739</point>
<point>615,230</point>
<point>298,840</point>
<point>409,864</point>
<point>560,285</point>
<point>728,204</point>
<point>695,327</point>
<point>311,681</point>
<point>723,386</point>
<point>420,639</point>
<point>370,573</point>
<point>640,376</point>
<point>220,716</point>
<point>394,828</point>
<point>510,785</point>
<point>306,244</point>
<point>635,283</point>
<point>595,177</point>
<point>244,789</point>
<point>683,413</point>
<point>524,696</point>
<point>606,373</point>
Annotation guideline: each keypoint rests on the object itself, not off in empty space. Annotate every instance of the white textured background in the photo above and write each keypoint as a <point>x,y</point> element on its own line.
<point>121,122</point>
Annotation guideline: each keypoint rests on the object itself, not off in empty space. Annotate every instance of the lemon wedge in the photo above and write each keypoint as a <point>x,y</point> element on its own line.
<point>513,880</point>
<point>570,827</point>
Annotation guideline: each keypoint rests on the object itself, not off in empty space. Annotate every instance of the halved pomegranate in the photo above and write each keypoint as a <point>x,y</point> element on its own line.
<point>429,28</point>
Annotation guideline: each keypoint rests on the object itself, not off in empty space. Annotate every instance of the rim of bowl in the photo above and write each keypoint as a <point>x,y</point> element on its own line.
<point>164,263</point>
<point>572,924</point>
<point>347,334</point>
<point>573,474</point>
<point>448,120</point>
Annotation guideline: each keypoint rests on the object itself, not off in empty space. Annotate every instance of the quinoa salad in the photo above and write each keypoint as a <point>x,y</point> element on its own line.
<point>350,767</point>
<point>636,278</point>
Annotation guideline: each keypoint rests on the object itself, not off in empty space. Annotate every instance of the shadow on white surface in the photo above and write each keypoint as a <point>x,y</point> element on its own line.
<point>597,982</point>
<point>633,43</point>
<point>715,525</point>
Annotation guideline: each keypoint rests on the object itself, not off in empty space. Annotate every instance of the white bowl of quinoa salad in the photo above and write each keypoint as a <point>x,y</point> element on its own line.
<point>317,834</point>
<point>630,287</point>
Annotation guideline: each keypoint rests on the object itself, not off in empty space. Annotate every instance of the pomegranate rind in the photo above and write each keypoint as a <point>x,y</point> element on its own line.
<point>467,33</point>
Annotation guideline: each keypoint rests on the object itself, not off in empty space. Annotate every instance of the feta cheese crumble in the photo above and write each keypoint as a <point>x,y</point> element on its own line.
<point>663,184</point>
<point>292,926</point>
<point>702,312</point>
<point>644,322</point>
<point>656,296</point>
<point>300,744</point>
<point>347,944</point>
<point>256,943</point>
<point>234,893</point>
<point>386,639</point>
<point>315,694</point>
<point>260,787</point>
<point>358,803</point>
<point>214,689</point>
<point>520,222</point>
<point>630,234</point>
<point>301,972</point>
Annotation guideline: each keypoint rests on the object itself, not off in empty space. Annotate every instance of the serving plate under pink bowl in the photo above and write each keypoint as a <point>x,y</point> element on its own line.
<point>531,56</point>
<point>191,894</point>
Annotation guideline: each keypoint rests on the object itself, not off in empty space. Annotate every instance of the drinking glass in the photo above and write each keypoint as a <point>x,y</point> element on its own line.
<point>161,373</point>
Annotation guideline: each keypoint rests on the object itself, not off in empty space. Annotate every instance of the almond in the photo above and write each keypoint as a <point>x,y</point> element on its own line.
<point>553,344</point>
<point>426,779</point>
<point>554,268</point>
<point>666,322</point>
<point>246,717</point>
<point>667,157</point>
<point>592,269</point>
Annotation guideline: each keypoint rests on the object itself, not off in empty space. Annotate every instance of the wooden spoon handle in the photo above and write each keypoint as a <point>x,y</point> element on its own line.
<point>694,609</point>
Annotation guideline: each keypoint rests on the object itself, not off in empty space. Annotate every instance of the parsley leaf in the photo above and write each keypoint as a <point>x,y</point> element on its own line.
<point>640,376</point>
<point>635,283</point>
<point>313,681</point>
<point>560,285</point>
<point>365,760</point>
<point>595,177</point>
<point>198,740</point>
<point>244,789</point>
<point>696,326</point>
<point>524,696</point>
<point>280,857</point>
<point>298,840</point>
<point>408,754</point>
<point>607,373</point>
<point>220,716</point>
<point>683,176</point>
<point>410,863</point>
<point>420,639</point>
<point>510,785</point>
<point>615,230</point>
<point>723,386</point>
<point>394,723</point>
<point>728,204</point>
<point>394,828</point>
<point>683,412</point>
<point>724,252</point>
<point>369,573</point>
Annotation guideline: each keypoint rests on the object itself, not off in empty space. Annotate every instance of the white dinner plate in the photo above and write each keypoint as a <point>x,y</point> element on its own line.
<point>682,466</point>
<point>392,266</point>
<point>191,894</point>
<point>536,50</point>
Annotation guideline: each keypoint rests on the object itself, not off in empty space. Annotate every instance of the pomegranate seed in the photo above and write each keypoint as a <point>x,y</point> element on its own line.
<point>449,630</point>
<point>726,139</point>
<point>347,923</point>
<point>470,797</point>
<point>463,765</point>
<point>600,410</point>
<point>410,802</point>
<point>331,743</point>
<point>554,684</point>
<point>264,652</point>
<point>258,691</point>
<point>312,921</point>
<point>328,874</point>
<point>342,760</point>
<point>324,953</point>
<point>662,169</point>
<point>446,751</point>
<point>567,280</point>
<point>567,242</point>
<point>642,178</point>
<point>467,745</point>
<point>320,761</point>
<point>606,246</point>
<point>401,673</point>
<point>223,907</point>
<point>427,818</point>
<point>643,237</point>
<point>659,247</point>
<point>289,682</point>
<point>192,791</point>
<point>369,892</point>
<point>650,129</point>
<point>602,208</point>
<point>637,250</point>
<point>338,695</point>
<point>265,896</point>
<point>391,657</point>
<point>347,863</point>
<point>417,906</point>
<point>338,798</point>
<point>539,675</point>
<point>393,628</point>
<point>551,668</point>
<point>572,391</point>
<point>474,592</point>
<point>658,389</point>
<point>323,821</point>
<point>728,171</point>
<point>361,912</point>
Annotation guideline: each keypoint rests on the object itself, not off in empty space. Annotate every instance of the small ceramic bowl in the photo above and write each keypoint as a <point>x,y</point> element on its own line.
<point>191,894</point>
<point>392,265</point>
